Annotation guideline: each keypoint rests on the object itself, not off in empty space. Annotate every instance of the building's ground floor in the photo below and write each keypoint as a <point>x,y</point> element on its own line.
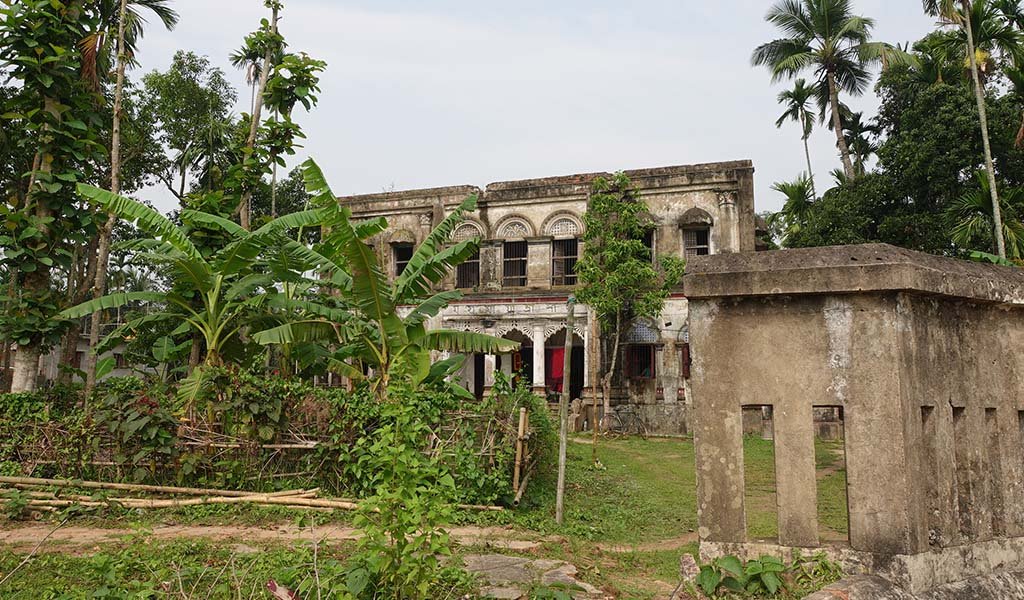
<point>652,363</point>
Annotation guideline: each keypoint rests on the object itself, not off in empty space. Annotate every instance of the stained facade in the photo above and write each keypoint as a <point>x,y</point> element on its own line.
<point>518,285</point>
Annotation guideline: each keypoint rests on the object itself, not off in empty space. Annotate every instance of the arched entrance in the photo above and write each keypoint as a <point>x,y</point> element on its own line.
<point>554,356</point>
<point>518,365</point>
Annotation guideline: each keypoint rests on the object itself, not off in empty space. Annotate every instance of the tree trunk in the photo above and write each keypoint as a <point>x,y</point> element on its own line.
<point>245,218</point>
<point>979,96</point>
<point>606,382</point>
<point>107,232</point>
<point>837,125</point>
<point>26,369</point>
<point>563,411</point>
<point>68,349</point>
<point>593,387</point>
<point>810,173</point>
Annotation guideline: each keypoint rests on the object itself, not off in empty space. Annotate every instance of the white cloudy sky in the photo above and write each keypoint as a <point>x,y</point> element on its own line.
<point>426,93</point>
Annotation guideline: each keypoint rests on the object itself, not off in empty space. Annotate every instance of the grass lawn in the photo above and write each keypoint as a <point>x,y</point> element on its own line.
<point>627,521</point>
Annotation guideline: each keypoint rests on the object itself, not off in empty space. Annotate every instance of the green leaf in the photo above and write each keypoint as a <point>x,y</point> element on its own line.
<point>104,366</point>
<point>467,342</point>
<point>708,580</point>
<point>730,564</point>
<point>109,301</point>
<point>771,582</point>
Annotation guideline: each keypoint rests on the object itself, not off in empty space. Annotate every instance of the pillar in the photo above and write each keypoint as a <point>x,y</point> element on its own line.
<point>490,364</point>
<point>538,262</point>
<point>539,366</point>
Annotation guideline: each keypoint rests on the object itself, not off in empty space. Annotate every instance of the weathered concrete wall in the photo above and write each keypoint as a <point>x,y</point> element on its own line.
<point>922,354</point>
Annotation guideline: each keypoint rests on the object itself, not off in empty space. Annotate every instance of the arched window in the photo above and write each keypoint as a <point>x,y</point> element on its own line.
<point>565,250</point>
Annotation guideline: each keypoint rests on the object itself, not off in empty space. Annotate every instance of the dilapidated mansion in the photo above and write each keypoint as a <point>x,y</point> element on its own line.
<point>518,285</point>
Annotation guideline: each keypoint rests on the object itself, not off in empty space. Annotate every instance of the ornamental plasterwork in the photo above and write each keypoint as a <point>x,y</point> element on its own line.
<point>515,228</point>
<point>564,227</point>
<point>466,231</point>
<point>551,330</point>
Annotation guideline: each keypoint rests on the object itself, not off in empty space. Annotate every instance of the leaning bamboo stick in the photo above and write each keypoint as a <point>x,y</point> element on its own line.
<point>290,501</point>
<point>131,487</point>
<point>519,450</point>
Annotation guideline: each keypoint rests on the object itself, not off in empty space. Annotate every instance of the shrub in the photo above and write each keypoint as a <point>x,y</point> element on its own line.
<point>142,426</point>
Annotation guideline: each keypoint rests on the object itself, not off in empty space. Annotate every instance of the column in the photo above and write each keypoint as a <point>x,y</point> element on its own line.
<point>538,262</point>
<point>490,364</point>
<point>539,367</point>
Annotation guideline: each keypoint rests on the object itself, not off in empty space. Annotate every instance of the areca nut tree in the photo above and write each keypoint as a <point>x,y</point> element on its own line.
<point>823,36</point>
<point>228,287</point>
<point>128,23</point>
<point>971,218</point>
<point>793,217</point>
<point>373,332</point>
<point>797,104</point>
<point>948,11</point>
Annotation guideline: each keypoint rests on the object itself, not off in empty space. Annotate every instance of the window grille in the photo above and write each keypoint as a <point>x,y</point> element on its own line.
<point>514,258</point>
<point>640,361</point>
<point>697,241</point>
<point>467,274</point>
<point>403,254</point>
<point>564,254</point>
<point>565,228</point>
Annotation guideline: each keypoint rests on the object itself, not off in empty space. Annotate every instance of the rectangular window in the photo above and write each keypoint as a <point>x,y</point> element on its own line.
<point>640,361</point>
<point>467,274</point>
<point>685,355</point>
<point>564,254</point>
<point>648,241</point>
<point>514,257</point>
<point>120,361</point>
<point>403,253</point>
<point>78,360</point>
<point>697,241</point>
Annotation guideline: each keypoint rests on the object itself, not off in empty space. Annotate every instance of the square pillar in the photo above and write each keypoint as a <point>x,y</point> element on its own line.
<point>539,366</point>
<point>490,265</point>
<point>538,262</point>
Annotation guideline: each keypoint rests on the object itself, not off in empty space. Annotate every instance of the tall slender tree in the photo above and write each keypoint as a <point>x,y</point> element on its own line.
<point>823,36</point>
<point>797,103</point>
<point>947,10</point>
<point>126,21</point>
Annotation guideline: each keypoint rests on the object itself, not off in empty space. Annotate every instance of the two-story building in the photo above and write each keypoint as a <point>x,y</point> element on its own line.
<point>518,285</point>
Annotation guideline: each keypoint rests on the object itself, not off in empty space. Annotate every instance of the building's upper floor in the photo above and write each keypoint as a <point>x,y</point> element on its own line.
<point>531,230</point>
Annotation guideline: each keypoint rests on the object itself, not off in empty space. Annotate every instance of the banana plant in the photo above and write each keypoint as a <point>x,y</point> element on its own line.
<point>214,295</point>
<point>372,333</point>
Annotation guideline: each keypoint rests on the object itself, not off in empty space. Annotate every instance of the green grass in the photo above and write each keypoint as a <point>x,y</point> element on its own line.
<point>642,495</point>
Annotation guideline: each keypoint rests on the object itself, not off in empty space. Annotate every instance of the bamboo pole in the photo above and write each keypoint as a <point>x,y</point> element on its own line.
<point>563,411</point>
<point>519,449</point>
<point>130,487</point>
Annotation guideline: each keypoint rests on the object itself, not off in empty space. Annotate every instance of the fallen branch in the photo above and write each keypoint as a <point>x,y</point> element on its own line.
<point>32,553</point>
<point>130,487</point>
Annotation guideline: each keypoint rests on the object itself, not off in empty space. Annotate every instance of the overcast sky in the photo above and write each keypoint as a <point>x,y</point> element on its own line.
<point>445,92</point>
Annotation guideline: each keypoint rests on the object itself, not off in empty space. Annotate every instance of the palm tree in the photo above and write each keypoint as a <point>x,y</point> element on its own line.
<point>797,103</point>
<point>826,37</point>
<point>97,48</point>
<point>972,219</point>
<point>795,212</point>
<point>857,135</point>
<point>250,59</point>
<point>947,10</point>
<point>128,22</point>
<point>1011,11</point>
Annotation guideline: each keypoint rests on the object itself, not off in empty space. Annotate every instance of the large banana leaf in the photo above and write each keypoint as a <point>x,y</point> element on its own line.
<point>433,270</point>
<point>110,301</point>
<point>146,218</point>
<point>467,341</point>
<point>211,220</point>
<point>438,238</point>
<point>431,306</point>
<point>239,255</point>
<point>299,331</point>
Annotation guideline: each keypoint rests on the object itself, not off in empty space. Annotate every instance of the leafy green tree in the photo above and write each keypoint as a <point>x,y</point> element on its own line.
<point>826,37</point>
<point>369,333</point>
<point>191,102</point>
<point>618,279</point>
<point>797,102</point>
<point>56,109</point>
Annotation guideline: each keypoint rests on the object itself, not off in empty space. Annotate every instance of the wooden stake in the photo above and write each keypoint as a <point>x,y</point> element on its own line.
<point>563,411</point>
<point>519,450</point>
